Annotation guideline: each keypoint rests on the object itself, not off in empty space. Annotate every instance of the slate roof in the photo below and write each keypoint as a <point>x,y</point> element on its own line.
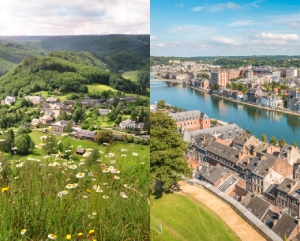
<point>269,218</point>
<point>188,115</point>
<point>215,131</point>
<point>272,190</point>
<point>265,164</point>
<point>254,162</point>
<point>291,187</point>
<point>258,207</point>
<point>247,199</point>
<point>261,147</point>
<point>213,174</point>
<point>226,152</point>
<point>285,225</point>
<point>85,133</point>
<point>242,138</point>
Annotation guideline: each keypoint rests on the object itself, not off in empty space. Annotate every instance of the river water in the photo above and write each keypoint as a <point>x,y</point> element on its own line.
<point>258,121</point>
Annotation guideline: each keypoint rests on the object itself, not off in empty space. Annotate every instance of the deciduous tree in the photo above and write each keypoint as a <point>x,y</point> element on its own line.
<point>167,148</point>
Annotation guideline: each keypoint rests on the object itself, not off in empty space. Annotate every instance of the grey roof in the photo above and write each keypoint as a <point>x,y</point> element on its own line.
<point>226,152</point>
<point>213,174</point>
<point>52,99</point>
<point>265,164</point>
<point>233,129</point>
<point>253,163</point>
<point>258,207</point>
<point>261,147</point>
<point>247,199</point>
<point>285,225</point>
<point>272,190</point>
<point>242,138</point>
<point>269,218</point>
<point>188,115</point>
<point>62,123</point>
<point>291,187</point>
<point>85,133</point>
<point>129,98</point>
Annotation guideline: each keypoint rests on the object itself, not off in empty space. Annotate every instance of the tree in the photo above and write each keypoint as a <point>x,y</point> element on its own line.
<point>103,136</point>
<point>263,137</point>
<point>248,131</point>
<point>161,104</point>
<point>167,162</point>
<point>273,140</point>
<point>281,143</point>
<point>24,144</point>
<point>294,144</point>
<point>69,127</point>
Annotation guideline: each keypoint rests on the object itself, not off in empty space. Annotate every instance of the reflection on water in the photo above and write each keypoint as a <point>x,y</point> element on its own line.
<point>259,121</point>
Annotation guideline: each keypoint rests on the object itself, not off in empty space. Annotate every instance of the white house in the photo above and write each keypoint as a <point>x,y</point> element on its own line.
<point>9,100</point>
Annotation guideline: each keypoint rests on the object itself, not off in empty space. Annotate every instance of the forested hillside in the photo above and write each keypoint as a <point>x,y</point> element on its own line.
<point>12,53</point>
<point>61,72</point>
<point>121,52</point>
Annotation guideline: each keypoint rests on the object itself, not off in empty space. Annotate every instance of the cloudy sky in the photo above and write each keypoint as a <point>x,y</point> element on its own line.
<point>212,27</point>
<point>74,17</point>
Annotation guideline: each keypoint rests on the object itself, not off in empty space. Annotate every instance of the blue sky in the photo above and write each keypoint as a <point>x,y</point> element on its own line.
<point>74,17</point>
<point>208,28</point>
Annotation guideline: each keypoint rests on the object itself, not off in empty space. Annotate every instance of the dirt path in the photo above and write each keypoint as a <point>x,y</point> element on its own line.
<point>230,217</point>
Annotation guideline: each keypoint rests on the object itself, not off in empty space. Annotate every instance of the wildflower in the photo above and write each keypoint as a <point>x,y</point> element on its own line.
<point>101,152</point>
<point>91,231</point>
<point>112,162</point>
<point>79,234</point>
<point>85,196</point>
<point>116,177</point>
<point>105,197</point>
<point>59,194</point>
<point>105,170</point>
<point>4,189</point>
<point>23,231</point>
<point>96,187</point>
<point>80,175</point>
<point>73,167</point>
<point>64,192</point>
<point>123,155</point>
<point>16,178</point>
<point>126,186</point>
<point>111,155</point>
<point>20,165</point>
<point>75,185</point>
<point>105,184</point>
<point>52,236</point>
<point>99,190</point>
<point>123,195</point>
<point>64,134</point>
<point>116,170</point>
<point>134,154</point>
<point>123,150</point>
<point>68,236</point>
<point>90,174</point>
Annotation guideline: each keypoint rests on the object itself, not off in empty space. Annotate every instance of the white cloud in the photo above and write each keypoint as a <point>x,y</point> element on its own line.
<point>222,40</point>
<point>152,37</point>
<point>197,9</point>
<point>53,17</point>
<point>276,36</point>
<point>179,5</point>
<point>241,23</point>
<point>222,6</point>
<point>158,45</point>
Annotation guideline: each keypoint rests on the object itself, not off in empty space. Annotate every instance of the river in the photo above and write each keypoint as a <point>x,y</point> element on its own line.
<point>258,121</point>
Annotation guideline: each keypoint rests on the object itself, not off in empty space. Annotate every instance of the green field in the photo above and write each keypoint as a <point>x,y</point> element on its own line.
<point>181,218</point>
<point>132,75</point>
<point>141,149</point>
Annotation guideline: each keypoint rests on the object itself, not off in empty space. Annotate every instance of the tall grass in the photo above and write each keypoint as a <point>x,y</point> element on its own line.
<point>117,209</point>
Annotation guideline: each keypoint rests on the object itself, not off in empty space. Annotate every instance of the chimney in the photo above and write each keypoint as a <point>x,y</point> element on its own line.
<point>248,161</point>
<point>254,153</point>
<point>240,155</point>
<point>292,185</point>
<point>262,157</point>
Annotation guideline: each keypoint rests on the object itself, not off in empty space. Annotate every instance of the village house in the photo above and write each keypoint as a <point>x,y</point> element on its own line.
<point>130,99</point>
<point>131,125</point>
<point>34,99</point>
<point>87,101</point>
<point>52,100</point>
<point>46,119</point>
<point>104,111</point>
<point>9,100</point>
<point>60,127</point>
<point>85,134</point>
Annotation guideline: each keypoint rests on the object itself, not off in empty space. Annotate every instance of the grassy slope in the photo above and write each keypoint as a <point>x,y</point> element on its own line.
<point>185,219</point>
<point>132,75</point>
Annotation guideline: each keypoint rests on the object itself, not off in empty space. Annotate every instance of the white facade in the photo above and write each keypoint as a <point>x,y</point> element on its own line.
<point>291,72</point>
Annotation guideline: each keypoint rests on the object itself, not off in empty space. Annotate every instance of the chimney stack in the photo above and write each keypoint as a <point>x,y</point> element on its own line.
<point>254,153</point>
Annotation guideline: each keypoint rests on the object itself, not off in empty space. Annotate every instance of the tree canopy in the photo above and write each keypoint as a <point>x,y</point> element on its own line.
<point>167,148</point>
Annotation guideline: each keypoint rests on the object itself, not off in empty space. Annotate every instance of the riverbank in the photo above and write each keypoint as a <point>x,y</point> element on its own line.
<point>247,103</point>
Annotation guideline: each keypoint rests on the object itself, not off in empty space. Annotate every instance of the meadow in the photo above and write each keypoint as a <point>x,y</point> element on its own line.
<point>102,195</point>
<point>177,217</point>
<point>132,75</point>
